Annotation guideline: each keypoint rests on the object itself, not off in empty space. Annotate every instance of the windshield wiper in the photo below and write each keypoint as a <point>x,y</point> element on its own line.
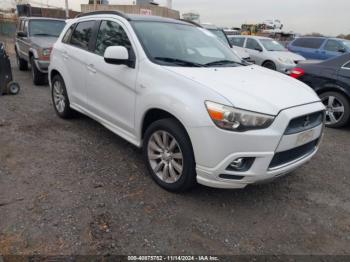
<point>178,61</point>
<point>223,62</point>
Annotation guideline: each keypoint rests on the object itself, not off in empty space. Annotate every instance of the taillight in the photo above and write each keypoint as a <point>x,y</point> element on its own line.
<point>297,72</point>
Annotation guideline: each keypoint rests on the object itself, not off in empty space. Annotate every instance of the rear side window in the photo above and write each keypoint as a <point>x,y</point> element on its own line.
<point>347,65</point>
<point>25,27</point>
<point>333,46</point>
<point>111,34</point>
<point>314,43</point>
<point>68,34</point>
<point>82,34</point>
<point>252,44</point>
<point>237,41</point>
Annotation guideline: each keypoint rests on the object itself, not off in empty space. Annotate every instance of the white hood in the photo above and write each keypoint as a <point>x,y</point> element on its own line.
<point>252,87</point>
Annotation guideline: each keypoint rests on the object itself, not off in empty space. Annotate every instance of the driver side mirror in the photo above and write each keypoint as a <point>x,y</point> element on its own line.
<point>21,34</point>
<point>258,48</point>
<point>118,55</point>
<point>342,50</point>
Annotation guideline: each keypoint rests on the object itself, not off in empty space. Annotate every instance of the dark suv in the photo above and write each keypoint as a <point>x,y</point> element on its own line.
<point>34,40</point>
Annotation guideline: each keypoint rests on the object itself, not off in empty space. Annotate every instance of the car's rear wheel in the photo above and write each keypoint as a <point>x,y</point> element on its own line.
<point>60,98</point>
<point>169,156</point>
<point>39,78</point>
<point>270,65</point>
<point>21,63</point>
<point>338,109</point>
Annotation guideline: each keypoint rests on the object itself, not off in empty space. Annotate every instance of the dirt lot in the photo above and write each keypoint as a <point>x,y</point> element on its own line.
<point>73,187</point>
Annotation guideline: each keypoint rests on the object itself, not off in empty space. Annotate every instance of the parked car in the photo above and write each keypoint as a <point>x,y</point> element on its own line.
<point>267,52</point>
<point>173,89</point>
<point>220,33</point>
<point>319,48</point>
<point>35,37</point>
<point>331,80</point>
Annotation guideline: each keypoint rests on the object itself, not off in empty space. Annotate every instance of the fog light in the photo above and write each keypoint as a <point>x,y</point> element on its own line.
<point>241,164</point>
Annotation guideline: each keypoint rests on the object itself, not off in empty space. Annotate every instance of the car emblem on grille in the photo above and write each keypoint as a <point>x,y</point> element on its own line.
<point>307,121</point>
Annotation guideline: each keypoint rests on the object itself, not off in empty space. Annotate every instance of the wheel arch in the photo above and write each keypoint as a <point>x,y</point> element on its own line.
<point>333,88</point>
<point>155,114</point>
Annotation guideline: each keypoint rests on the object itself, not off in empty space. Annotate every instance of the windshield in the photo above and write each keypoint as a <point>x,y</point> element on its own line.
<point>347,44</point>
<point>46,27</point>
<point>183,45</point>
<point>221,35</point>
<point>272,45</point>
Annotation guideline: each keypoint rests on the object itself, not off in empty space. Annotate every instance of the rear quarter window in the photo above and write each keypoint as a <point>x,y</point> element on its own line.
<point>347,65</point>
<point>314,43</point>
<point>68,34</point>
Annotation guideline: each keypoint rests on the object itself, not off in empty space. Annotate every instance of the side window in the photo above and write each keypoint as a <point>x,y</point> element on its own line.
<point>333,46</point>
<point>82,34</point>
<point>252,44</point>
<point>68,35</point>
<point>110,34</point>
<point>347,65</point>
<point>19,25</point>
<point>237,41</point>
<point>314,43</point>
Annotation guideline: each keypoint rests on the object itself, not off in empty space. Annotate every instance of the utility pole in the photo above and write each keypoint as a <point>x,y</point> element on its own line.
<point>67,9</point>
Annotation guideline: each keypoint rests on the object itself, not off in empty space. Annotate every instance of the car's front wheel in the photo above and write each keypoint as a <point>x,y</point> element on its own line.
<point>270,65</point>
<point>39,78</point>
<point>60,98</point>
<point>338,109</point>
<point>21,63</point>
<point>169,155</point>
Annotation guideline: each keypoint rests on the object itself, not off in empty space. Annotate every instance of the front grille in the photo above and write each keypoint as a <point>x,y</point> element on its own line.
<point>305,122</point>
<point>285,157</point>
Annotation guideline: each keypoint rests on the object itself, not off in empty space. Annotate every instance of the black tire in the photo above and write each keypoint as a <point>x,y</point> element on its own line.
<point>188,175</point>
<point>13,88</point>
<point>39,78</point>
<point>344,119</point>
<point>270,65</point>
<point>67,112</point>
<point>21,63</point>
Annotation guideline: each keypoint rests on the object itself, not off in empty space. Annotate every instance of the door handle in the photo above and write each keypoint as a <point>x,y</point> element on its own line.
<point>91,68</point>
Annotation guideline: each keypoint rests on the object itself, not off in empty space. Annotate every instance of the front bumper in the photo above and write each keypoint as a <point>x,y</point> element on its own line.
<point>215,149</point>
<point>42,65</point>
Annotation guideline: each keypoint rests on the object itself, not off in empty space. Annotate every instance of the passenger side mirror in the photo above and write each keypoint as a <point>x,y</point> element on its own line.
<point>258,48</point>
<point>342,50</point>
<point>21,34</point>
<point>117,55</point>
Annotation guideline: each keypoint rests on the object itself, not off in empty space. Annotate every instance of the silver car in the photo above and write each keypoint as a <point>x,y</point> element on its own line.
<point>35,37</point>
<point>266,52</point>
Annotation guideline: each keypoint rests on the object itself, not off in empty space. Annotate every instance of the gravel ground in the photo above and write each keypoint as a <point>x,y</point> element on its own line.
<point>73,187</point>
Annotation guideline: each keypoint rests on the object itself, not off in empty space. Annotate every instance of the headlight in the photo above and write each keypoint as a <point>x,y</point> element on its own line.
<point>44,53</point>
<point>286,60</point>
<point>230,118</point>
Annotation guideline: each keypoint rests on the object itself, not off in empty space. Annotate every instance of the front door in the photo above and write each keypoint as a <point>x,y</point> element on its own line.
<point>111,88</point>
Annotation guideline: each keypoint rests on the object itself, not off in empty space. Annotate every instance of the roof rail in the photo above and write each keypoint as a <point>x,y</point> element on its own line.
<point>106,12</point>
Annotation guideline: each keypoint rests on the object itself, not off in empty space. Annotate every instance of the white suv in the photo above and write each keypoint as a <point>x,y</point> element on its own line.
<point>200,114</point>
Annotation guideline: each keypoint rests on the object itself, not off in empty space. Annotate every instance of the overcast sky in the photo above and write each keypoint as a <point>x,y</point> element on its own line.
<point>330,17</point>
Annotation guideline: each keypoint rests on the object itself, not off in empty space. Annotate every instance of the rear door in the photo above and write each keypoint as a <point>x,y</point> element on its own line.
<point>74,53</point>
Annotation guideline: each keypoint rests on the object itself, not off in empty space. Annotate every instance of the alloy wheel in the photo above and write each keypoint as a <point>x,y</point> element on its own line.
<point>335,109</point>
<point>58,96</point>
<point>165,157</point>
